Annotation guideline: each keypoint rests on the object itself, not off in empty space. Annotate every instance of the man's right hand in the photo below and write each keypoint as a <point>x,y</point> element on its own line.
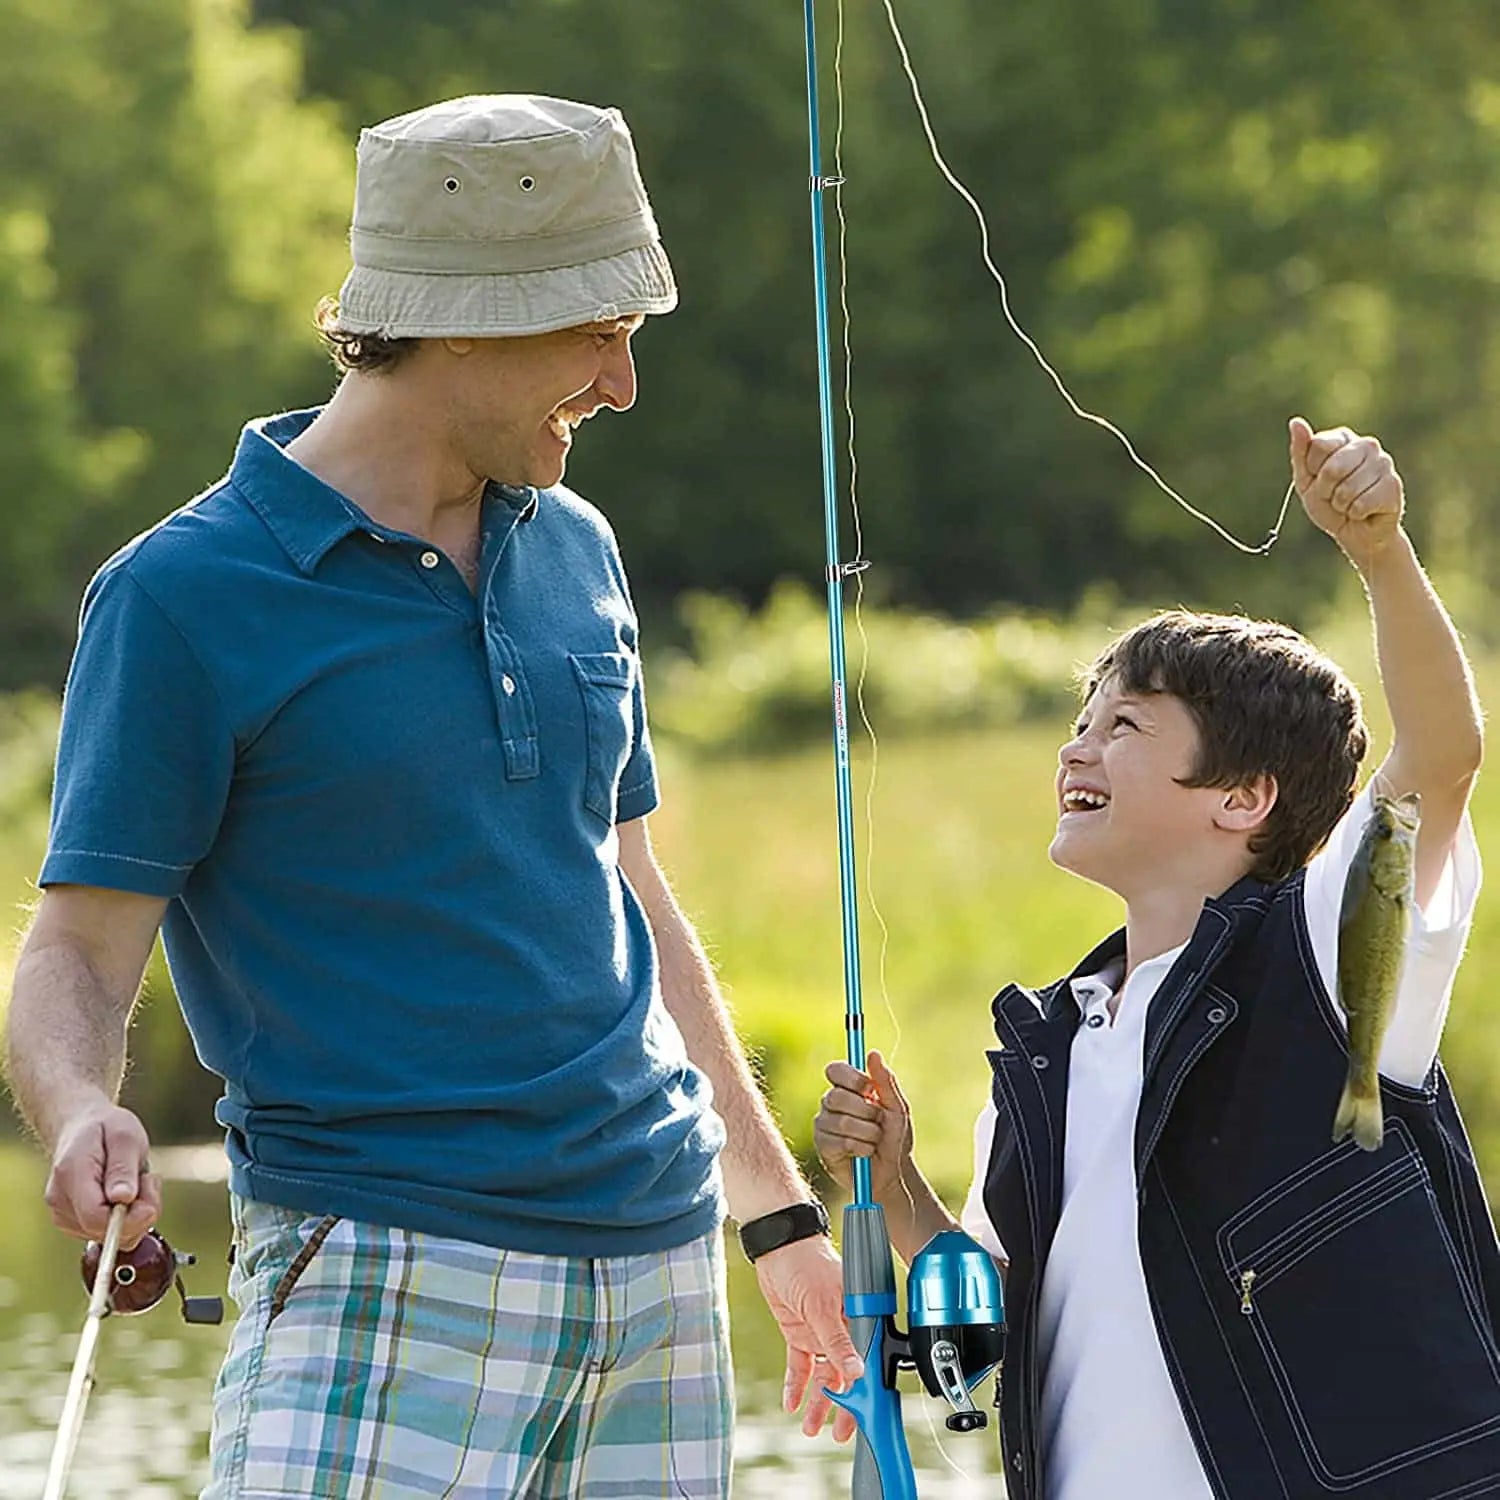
<point>865,1114</point>
<point>101,1160</point>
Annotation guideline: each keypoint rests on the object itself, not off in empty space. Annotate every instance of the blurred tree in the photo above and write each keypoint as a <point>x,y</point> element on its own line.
<point>169,212</point>
<point>56,469</point>
<point>1210,216</point>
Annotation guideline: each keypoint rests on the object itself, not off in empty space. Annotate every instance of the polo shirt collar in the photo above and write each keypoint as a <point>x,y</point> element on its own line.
<point>305,515</point>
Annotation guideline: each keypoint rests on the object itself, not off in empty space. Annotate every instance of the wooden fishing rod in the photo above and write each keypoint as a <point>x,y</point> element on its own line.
<point>81,1382</point>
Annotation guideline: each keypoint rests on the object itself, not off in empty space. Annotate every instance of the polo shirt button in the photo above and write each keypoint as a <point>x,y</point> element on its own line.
<point>1216,1015</point>
<point>1096,1021</point>
<point>429,559</point>
<point>509,684</point>
<point>1040,1063</point>
<point>1017,1462</point>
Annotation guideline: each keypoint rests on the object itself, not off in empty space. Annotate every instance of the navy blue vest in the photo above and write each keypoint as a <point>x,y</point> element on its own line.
<point>1329,1316</point>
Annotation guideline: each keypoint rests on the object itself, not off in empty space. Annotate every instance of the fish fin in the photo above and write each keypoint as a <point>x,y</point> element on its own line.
<point>1360,1115</point>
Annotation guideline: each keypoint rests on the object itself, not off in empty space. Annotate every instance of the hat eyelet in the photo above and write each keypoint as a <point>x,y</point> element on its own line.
<point>528,184</point>
<point>452,185</point>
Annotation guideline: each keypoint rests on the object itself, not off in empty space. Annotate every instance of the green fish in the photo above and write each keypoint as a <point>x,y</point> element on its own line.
<point>1373,923</point>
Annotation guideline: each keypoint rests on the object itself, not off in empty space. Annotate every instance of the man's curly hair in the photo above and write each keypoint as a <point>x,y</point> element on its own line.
<point>365,352</point>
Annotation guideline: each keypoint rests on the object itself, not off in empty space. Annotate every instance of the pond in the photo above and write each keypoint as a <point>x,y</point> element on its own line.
<point>146,1433</point>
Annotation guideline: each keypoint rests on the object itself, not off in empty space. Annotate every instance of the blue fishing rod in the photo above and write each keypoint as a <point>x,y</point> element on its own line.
<point>955,1304</point>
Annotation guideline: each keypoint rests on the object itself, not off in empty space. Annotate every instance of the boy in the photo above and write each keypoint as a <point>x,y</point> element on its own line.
<point>1207,1297</point>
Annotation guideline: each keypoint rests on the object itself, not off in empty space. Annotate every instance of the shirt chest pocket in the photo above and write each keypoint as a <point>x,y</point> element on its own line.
<point>607,681</point>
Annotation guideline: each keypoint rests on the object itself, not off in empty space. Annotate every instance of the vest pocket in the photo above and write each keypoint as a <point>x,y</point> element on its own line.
<point>1348,1280</point>
<point>607,681</point>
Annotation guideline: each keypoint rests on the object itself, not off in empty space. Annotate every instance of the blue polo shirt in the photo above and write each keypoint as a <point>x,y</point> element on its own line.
<point>384,808</point>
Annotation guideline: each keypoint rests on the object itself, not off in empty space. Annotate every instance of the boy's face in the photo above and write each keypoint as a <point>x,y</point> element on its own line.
<point>1125,821</point>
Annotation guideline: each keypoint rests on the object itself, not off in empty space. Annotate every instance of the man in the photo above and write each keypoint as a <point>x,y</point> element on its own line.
<point>363,729</point>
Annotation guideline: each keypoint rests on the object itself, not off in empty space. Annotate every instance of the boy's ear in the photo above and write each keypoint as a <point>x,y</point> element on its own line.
<point>1243,809</point>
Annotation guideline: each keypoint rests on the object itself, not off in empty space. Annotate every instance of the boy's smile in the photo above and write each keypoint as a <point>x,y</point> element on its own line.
<point>1125,817</point>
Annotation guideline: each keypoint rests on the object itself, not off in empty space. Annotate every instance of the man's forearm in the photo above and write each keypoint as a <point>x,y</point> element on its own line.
<point>760,1174</point>
<point>65,1039</point>
<point>1428,687</point>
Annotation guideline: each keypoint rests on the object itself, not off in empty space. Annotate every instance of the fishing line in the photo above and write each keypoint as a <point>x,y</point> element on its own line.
<point>943,1453</point>
<point>1078,411</point>
<point>859,596</point>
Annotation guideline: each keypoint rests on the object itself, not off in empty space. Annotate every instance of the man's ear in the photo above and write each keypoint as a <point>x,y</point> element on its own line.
<point>1243,809</point>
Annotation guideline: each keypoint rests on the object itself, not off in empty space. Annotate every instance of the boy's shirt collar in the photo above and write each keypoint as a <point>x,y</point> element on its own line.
<point>1111,952</point>
<point>1093,992</point>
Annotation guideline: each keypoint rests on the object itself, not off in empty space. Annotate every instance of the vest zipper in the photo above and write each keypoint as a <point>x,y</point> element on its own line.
<point>1247,1280</point>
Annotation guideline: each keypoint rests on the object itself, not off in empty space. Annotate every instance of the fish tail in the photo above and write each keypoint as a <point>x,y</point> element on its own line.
<point>1359,1114</point>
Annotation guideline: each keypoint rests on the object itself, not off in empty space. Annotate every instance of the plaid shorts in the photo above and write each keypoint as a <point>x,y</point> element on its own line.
<point>379,1363</point>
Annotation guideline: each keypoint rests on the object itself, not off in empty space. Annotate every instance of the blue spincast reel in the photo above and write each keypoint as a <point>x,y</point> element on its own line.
<point>956,1311</point>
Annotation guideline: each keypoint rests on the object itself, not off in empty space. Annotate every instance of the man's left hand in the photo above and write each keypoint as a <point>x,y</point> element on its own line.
<point>804,1287</point>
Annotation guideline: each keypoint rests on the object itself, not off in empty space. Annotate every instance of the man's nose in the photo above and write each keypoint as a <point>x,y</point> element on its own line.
<point>615,383</point>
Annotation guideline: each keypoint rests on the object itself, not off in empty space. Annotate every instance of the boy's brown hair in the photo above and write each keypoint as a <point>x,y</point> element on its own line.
<point>1266,702</point>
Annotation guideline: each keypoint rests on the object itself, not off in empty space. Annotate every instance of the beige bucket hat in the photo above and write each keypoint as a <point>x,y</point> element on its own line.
<point>498,215</point>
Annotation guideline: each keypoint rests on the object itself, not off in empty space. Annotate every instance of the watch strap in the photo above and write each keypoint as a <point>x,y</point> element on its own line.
<point>798,1221</point>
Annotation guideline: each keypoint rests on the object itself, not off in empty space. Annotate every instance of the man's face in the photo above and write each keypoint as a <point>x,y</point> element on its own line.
<point>516,403</point>
<point>1125,821</point>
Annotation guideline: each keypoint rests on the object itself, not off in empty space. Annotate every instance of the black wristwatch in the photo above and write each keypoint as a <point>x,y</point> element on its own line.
<point>784,1227</point>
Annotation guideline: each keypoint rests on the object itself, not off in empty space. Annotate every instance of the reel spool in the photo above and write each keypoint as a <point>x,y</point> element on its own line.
<point>956,1314</point>
<point>144,1275</point>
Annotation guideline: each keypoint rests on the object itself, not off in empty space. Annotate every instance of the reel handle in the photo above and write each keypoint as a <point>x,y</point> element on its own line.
<point>948,1371</point>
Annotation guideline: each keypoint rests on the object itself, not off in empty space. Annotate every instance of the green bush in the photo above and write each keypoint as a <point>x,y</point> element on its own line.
<point>28,742</point>
<point>752,683</point>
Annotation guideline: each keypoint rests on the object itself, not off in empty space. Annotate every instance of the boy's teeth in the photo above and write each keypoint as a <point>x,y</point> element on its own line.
<point>1087,800</point>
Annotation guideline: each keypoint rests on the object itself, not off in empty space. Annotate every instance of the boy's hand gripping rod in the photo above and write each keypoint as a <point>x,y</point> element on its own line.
<point>882,1463</point>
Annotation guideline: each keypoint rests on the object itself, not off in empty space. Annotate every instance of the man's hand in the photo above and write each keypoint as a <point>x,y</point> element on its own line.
<point>865,1114</point>
<point>803,1286</point>
<point>101,1160</point>
<point>1349,488</point>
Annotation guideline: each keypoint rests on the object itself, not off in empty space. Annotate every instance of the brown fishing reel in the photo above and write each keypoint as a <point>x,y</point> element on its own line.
<point>144,1275</point>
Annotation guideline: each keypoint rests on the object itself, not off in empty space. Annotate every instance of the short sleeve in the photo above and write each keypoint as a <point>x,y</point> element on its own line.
<point>639,794</point>
<point>146,752</point>
<point>975,1218</point>
<point>1434,947</point>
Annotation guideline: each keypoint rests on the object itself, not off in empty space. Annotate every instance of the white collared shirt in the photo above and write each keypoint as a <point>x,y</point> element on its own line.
<point>1111,1421</point>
